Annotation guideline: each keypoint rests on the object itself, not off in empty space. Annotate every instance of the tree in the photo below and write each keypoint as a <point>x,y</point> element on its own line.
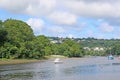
<point>63,49</point>
<point>5,50</point>
<point>116,50</point>
<point>55,49</point>
<point>16,37</point>
<point>76,50</point>
<point>18,31</point>
<point>3,36</point>
<point>48,50</point>
<point>1,23</point>
<point>40,44</point>
<point>72,48</point>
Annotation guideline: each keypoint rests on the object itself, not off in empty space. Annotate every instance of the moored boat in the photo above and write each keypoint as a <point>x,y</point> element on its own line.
<point>110,57</point>
<point>57,61</point>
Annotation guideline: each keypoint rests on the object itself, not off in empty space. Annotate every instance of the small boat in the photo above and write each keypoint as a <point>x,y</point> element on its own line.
<point>110,57</point>
<point>57,61</point>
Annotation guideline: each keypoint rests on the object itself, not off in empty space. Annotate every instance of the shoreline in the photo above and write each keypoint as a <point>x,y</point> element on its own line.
<point>24,61</point>
<point>17,61</point>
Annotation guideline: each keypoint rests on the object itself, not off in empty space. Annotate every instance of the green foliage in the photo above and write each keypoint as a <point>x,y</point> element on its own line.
<point>48,50</point>
<point>18,41</point>
<point>92,42</point>
<point>3,36</point>
<point>63,49</point>
<point>71,49</point>
<point>1,23</point>
<point>41,44</point>
<point>18,31</point>
<point>115,49</point>
<point>15,39</point>
<point>55,49</point>
<point>5,50</point>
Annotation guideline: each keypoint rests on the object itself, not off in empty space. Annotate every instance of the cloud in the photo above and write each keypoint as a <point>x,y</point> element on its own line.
<point>56,29</point>
<point>36,25</point>
<point>70,36</point>
<point>14,6</point>
<point>105,27</point>
<point>63,18</point>
<point>114,21</point>
<point>84,8</point>
<point>29,7</point>
<point>40,7</point>
<point>68,13</point>
<point>95,8</point>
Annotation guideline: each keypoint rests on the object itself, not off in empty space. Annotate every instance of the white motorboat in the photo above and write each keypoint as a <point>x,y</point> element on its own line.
<point>57,61</point>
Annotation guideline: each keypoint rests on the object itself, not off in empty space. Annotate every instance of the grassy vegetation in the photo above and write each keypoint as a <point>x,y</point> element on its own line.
<point>4,61</point>
<point>17,61</point>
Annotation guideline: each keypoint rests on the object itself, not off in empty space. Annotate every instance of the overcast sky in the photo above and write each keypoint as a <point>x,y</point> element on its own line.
<point>66,18</point>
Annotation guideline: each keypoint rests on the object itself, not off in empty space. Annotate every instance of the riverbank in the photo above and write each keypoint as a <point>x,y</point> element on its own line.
<point>22,61</point>
<point>17,61</point>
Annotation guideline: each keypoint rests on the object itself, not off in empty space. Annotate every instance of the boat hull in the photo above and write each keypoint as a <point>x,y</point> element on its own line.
<point>58,62</point>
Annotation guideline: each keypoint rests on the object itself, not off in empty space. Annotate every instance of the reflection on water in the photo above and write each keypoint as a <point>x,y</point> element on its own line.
<point>71,69</point>
<point>83,70</point>
<point>92,69</point>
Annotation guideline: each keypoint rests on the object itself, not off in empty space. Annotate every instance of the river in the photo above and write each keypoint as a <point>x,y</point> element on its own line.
<point>96,68</point>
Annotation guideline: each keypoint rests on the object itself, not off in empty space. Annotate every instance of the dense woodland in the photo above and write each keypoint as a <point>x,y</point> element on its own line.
<point>18,41</point>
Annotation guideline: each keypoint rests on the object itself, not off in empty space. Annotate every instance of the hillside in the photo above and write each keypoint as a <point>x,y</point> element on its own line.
<point>91,42</point>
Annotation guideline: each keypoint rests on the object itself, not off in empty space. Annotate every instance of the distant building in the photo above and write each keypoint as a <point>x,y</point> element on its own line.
<point>54,41</point>
<point>87,48</point>
<point>98,49</point>
<point>95,49</point>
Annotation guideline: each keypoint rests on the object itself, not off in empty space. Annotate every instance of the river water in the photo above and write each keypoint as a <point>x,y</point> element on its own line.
<point>97,68</point>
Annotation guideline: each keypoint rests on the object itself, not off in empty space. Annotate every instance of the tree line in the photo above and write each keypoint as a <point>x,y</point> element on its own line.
<point>18,41</point>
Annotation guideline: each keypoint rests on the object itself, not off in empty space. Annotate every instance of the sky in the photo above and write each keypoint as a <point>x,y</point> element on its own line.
<point>66,18</point>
